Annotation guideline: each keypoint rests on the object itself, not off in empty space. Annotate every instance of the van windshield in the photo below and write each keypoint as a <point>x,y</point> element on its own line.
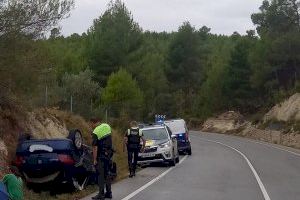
<point>177,127</point>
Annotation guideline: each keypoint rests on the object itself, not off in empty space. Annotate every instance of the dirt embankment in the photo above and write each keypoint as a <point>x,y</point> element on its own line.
<point>224,123</point>
<point>289,110</point>
<point>280,125</point>
<point>42,123</point>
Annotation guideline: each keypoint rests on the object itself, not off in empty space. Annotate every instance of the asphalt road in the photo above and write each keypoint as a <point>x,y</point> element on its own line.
<point>221,168</point>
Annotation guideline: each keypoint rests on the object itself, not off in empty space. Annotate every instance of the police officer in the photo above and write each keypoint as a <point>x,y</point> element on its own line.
<point>132,140</point>
<point>102,154</point>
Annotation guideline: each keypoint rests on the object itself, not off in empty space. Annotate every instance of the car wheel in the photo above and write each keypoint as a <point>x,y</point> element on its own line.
<point>177,159</point>
<point>173,161</point>
<point>76,137</point>
<point>189,152</point>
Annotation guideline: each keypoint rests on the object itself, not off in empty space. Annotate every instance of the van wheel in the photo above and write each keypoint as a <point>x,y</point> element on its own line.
<point>189,152</point>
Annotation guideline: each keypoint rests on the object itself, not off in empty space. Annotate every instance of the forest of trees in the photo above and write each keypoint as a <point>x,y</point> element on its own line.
<point>120,69</point>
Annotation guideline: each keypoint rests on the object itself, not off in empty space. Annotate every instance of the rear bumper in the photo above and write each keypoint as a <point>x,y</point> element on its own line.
<point>183,146</point>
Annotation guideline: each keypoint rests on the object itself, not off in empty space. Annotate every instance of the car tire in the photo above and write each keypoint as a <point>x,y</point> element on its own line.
<point>76,137</point>
<point>172,163</point>
<point>189,151</point>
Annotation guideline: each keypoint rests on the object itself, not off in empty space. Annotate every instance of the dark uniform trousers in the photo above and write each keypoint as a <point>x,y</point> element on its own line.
<point>103,177</point>
<point>132,158</point>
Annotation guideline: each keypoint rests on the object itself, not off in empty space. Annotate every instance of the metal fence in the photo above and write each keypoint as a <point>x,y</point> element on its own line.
<point>5,97</point>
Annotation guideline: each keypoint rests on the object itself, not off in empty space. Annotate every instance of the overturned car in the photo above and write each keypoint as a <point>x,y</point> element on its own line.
<point>66,161</point>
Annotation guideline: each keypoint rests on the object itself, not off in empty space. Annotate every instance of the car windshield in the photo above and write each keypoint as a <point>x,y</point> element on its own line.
<point>155,134</point>
<point>176,127</point>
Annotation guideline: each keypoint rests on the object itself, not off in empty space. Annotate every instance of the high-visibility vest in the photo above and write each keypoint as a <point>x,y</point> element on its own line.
<point>102,131</point>
<point>134,135</point>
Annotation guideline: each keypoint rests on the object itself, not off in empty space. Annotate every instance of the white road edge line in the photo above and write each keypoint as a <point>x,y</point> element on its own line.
<point>152,181</point>
<point>275,147</point>
<point>260,183</point>
<point>271,145</point>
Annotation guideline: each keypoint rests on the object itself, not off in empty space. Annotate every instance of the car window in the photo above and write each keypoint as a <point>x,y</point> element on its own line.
<point>176,126</point>
<point>155,134</point>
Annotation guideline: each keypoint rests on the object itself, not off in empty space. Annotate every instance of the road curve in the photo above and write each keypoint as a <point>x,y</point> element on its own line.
<point>221,168</point>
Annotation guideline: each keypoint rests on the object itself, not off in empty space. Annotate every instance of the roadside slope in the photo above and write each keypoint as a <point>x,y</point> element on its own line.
<point>281,125</point>
<point>47,123</point>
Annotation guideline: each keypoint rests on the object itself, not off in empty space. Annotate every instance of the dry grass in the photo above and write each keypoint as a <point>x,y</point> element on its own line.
<point>71,121</point>
<point>12,121</point>
<point>30,195</point>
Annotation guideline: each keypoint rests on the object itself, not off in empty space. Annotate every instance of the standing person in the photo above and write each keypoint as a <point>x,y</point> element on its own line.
<point>132,140</point>
<point>102,154</point>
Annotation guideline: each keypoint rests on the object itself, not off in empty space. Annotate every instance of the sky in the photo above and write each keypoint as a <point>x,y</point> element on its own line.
<point>222,16</point>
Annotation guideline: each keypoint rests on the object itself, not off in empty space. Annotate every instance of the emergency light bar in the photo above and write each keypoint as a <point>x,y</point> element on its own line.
<point>160,119</point>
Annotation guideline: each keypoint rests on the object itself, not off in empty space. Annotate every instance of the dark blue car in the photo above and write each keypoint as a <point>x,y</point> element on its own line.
<point>179,129</point>
<point>55,160</point>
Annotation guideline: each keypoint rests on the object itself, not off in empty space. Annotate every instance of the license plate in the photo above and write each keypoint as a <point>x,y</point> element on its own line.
<point>31,161</point>
<point>37,161</point>
<point>147,155</point>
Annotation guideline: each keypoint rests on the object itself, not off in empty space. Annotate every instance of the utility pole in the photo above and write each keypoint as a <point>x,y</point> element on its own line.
<point>91,105</point>
<point>46,72</point>
<point>71,104</point>
<point>46,96</point>
<point>106,115</point>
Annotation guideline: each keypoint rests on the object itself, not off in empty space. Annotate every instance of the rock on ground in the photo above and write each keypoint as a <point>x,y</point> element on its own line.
<point>226,122</point>
<point>289,110</point>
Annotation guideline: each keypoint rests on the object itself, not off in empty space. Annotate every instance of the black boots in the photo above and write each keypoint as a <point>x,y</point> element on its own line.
<point>98,197</point>
<point>131,173</point>
<point>108,195</point>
